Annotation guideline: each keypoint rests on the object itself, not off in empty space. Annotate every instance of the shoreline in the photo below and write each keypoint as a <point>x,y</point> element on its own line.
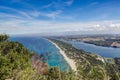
<point>68,60</point>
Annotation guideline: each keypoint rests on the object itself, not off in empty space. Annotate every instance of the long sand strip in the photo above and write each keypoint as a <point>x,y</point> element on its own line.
<point>69,61</point>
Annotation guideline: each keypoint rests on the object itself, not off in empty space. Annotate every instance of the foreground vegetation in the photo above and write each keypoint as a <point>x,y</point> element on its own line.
<point>18,63</point>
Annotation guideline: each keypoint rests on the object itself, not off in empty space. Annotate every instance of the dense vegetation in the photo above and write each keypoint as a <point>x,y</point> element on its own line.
<point>90,66</point>
<point>14,59</point>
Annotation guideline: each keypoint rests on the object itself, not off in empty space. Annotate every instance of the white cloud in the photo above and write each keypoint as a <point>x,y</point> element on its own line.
<point>69,2</point>
<point>93,3</point>
<point>53,14</point>
<point>28,14</point>
<point>48,5</point>
<point>17,12</point>
<point>35,13</point>
<point>7,16</point>
<point>36,26</point>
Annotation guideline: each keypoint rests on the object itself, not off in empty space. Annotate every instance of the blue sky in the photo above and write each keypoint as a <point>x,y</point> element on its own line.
<point>60,16</point>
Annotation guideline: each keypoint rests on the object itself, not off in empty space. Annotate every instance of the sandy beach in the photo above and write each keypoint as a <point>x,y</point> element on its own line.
<point>69,61</point>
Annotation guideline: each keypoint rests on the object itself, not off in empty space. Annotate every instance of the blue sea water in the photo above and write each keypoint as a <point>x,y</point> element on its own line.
<point>41,46</point>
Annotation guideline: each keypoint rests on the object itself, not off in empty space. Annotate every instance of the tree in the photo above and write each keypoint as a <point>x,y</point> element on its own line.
<point>3,37</point>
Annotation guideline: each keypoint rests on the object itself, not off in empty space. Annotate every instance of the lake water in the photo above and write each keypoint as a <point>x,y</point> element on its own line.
<point>102,51</point>
<point>41,46</point>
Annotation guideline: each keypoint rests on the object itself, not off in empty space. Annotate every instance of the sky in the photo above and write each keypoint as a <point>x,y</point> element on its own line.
<point>59,17</point>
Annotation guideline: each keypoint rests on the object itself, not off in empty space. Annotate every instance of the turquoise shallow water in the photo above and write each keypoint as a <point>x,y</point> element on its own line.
<point>41,46</point>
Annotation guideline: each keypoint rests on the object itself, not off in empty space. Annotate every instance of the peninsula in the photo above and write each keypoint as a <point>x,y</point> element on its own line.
<point>71,62</point>
<point>85,63</point>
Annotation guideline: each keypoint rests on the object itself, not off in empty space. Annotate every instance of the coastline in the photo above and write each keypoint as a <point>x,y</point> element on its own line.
<point>69,61</point>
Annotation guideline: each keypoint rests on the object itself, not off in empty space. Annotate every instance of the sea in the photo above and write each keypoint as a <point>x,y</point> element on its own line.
<point>41,45</point>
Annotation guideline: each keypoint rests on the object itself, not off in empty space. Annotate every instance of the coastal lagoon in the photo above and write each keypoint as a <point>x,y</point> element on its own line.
<point>102,51</point>
<point>41,46</point>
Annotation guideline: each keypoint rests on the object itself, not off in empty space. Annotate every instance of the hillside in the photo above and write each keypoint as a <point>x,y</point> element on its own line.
<point>18,63</point>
